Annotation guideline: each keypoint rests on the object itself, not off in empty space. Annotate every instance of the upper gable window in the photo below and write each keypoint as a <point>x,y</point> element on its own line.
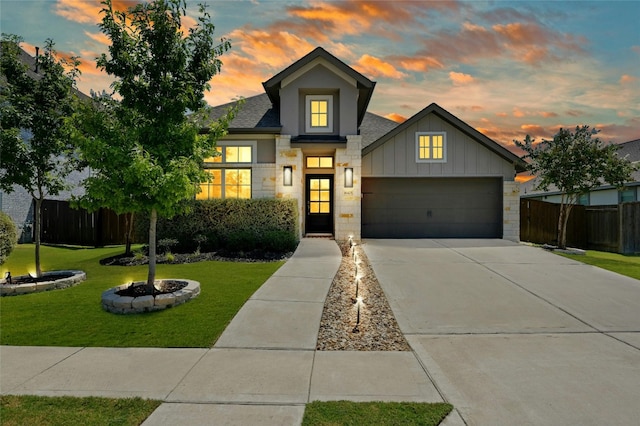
<point>319,113</point>
<point>431,147</point>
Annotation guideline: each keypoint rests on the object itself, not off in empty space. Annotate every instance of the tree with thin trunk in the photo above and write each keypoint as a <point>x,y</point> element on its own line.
<point>574,163</point>
<point>35,105</point>
<point>150,155</point>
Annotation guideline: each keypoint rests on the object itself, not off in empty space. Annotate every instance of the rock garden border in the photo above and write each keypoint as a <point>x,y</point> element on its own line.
<point>117,304</point>
<point>75,278</point>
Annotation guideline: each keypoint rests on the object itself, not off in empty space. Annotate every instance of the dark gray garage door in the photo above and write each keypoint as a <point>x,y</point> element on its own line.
<point>432,208</point>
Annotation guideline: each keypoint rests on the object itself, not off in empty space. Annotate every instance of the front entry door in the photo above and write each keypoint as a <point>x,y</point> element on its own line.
<point>319,217</point>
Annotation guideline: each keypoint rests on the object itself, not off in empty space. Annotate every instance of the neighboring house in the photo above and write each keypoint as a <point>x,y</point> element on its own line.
<point>18,204</point>
<point>602,196</point>
<point>353,173</point>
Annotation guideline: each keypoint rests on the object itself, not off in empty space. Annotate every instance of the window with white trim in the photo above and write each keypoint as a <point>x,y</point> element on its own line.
<point>319,114</point>
<point>431,147</point>
<point>230,177</point>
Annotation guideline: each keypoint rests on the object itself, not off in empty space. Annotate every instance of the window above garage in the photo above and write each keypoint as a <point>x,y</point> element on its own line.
<point>431,147</point>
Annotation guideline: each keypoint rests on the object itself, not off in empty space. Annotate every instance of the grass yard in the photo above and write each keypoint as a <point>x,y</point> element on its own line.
<point>74,316</point>
<point>622,264</point>
<point>70,411</point>
<point>347,413</point>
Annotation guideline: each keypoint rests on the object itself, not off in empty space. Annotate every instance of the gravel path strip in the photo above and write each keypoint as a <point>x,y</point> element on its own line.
<point>339,328</point>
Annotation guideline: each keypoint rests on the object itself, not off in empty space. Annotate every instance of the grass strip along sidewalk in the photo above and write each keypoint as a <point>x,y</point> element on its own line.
<point>74,316</point>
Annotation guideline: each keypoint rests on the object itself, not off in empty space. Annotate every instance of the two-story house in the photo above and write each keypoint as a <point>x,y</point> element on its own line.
<point>309,137</point>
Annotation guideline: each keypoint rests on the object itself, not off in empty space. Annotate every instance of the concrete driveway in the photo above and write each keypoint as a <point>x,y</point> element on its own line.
<point>511,334</point>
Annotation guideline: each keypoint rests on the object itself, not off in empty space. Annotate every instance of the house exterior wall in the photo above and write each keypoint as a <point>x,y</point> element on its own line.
<point>348,201</point>
<point>604,197</point>
<point>288,156</point>
<point>511,211</point>
<point>319,80</point>
<point>465,156</point>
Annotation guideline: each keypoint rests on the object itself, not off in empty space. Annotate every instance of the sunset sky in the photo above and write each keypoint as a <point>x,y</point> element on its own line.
<point>508,68</point>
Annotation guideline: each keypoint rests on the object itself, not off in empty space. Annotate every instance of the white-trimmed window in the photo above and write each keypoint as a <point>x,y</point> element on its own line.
<point>319,114</point>
<point>431,147</point>
<point>230,172</point>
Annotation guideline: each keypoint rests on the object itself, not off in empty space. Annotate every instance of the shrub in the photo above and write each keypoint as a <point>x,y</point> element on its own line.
<point>8,236</point>
<point>231,224</point>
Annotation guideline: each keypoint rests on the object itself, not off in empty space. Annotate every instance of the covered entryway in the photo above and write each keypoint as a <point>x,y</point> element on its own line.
<point>319,206</point>
<point>432,207</point>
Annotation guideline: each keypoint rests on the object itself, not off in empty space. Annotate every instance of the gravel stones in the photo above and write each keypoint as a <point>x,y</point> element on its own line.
<point>377,330</point>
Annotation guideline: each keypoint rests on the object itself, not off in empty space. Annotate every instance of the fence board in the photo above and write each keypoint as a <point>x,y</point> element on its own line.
<point>62,224</point>
<point>607,228</point>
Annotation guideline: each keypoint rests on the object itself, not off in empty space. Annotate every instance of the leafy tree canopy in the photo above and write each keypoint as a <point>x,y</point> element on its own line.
<point>574,163</point>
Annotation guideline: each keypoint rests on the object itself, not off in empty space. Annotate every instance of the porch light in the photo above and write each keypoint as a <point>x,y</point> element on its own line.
<point>348,177</point>
<point>288,176</point>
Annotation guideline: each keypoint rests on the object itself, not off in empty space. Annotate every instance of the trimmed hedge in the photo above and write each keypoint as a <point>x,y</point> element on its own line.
<point>234,225</point>
<point>8,236</point>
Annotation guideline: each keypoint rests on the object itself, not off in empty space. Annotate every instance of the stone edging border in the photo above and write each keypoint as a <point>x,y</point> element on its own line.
<point>28,288</point>
<point>117,304</point>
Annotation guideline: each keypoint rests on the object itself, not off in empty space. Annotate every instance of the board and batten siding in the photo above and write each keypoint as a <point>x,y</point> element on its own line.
<point>465,156</point>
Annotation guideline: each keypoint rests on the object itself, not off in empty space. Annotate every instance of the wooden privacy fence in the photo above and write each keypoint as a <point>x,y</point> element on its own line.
<point>63,225</point>
<point>607,228</point>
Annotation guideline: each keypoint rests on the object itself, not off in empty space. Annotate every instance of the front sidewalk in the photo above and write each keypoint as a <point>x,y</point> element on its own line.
<point>263,369</point>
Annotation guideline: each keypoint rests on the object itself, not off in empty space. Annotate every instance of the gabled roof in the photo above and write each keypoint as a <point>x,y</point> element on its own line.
<point>364,85</point>
<point>458,124</point>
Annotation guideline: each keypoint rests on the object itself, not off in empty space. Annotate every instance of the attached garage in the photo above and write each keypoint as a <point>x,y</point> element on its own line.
<point>432,208</point>
<point>434,176</point>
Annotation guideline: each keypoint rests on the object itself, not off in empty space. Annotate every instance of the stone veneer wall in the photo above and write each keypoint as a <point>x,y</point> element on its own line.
<point>348,201</point>
<point>263,180</point>
<point>287,156</point>
<point>511,211</point>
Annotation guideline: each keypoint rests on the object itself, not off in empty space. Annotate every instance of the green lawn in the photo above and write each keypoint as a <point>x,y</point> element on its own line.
<point>74,316</point>
<point>374,413</point>
<point>622,264</point>
<point>70,411</point>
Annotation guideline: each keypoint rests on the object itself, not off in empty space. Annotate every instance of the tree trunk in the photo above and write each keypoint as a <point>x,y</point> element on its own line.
<point>128,232</point>
<point>563,218</point>
<point>36,229</point>
<point>152,250</point>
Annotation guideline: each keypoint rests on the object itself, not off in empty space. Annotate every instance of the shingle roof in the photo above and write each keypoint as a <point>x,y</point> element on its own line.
<point>256,113</point>
<point>259,115</point>
<point>374,126</point>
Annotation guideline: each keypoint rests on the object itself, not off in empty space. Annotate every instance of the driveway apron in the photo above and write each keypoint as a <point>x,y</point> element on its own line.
<point>512,334</point>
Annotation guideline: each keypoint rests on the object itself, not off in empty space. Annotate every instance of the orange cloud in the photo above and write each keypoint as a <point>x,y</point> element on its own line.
<point>87,12</point>
<point>239,76</point>
<point>420,64</point>
<point>375,67</point>
<point>628,79</point>
<point>396,117</point>
<point>275,49</point>
<point>532,129</point>
<point>459,78</point>
<point>548,114</point>
<point>100,38</point>
<point>517,112</point>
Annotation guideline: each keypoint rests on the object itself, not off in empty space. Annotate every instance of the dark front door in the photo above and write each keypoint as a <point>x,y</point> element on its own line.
<point>319,216</point>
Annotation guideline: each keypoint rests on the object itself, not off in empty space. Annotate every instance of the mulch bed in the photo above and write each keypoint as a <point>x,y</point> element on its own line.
<point>161,287</point>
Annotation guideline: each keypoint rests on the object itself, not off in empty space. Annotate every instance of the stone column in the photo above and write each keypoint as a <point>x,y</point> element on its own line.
<point>348,201</point>
<point>511,211</point>
<point>287,156</point>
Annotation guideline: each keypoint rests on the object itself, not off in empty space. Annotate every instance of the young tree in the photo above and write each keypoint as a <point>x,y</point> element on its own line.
<point>151,161</point>
<point>575,163</point>
<point>34,137</point>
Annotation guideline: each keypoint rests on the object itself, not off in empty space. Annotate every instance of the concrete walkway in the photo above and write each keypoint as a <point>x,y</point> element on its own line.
<point>512,334</point>
<point>262,370</point>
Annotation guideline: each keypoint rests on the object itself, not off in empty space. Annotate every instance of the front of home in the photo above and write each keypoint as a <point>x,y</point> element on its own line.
<point>309,137</point>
